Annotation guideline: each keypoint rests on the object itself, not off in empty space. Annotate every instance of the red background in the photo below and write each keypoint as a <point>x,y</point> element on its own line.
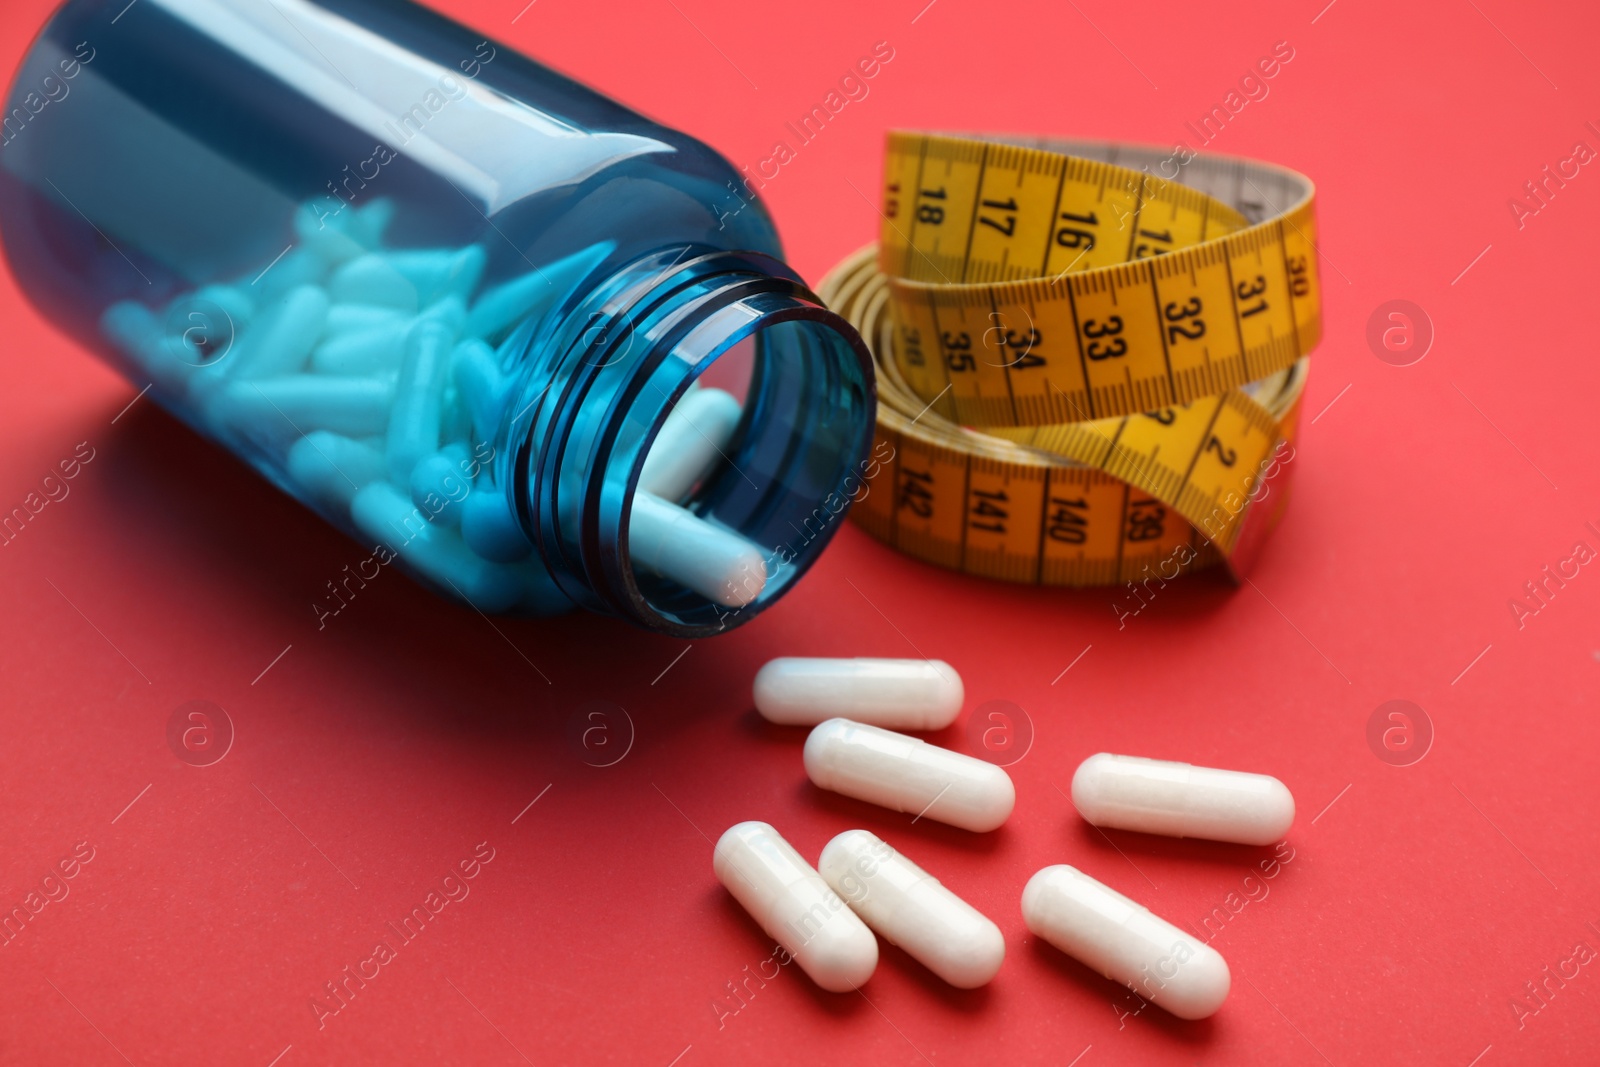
<point>378,752</point>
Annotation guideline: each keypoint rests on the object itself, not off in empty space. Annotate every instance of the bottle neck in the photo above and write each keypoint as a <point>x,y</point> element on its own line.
<point>769,490</point>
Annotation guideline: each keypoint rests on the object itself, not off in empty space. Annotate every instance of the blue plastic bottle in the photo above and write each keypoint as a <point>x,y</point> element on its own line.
<point>441,294</point>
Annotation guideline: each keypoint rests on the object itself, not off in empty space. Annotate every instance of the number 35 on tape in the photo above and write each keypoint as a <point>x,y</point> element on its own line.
<point>1089,369</point>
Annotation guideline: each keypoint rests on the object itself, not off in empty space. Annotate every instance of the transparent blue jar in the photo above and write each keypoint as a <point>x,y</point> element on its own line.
<point>535,347</point>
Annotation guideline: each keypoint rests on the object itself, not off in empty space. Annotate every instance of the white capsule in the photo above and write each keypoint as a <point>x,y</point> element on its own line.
<point>1181,800</point>
<point>414,422</point>
<point>489,527</point>
<point>709,559</point>
<point>908,907</point>
<point>275,410</point>
<point>384,514</point>
<point>333,469</point>
<point>908,774</point>
<point>1124,941</point>
<point>372,279</point>
<point>795,907</point>
<point>279,342</point>
<point>692,441</point>
<point>440,273</point>
<point>899,694</point>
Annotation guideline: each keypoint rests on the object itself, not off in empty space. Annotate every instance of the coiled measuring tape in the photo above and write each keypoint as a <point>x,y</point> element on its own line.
<point>1088,372</point>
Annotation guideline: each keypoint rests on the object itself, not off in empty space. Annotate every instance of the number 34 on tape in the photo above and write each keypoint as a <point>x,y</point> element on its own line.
<point>1089,370</point>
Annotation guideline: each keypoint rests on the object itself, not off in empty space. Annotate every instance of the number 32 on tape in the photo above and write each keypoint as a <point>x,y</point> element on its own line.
<point>1090,356</point>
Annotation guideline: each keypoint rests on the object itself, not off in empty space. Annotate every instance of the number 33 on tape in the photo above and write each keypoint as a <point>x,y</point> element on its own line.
<point>1089,372</point>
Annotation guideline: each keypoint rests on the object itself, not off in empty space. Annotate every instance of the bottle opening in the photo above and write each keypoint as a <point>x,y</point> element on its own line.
<point>698,444</point>
<point>745,480</point>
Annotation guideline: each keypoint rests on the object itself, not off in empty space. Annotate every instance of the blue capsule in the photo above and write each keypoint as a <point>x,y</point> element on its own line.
<point>439,484</point>
<point>436,552</point>
<point>333,468</point>
<point>480,387</point>
<point>278,410</point>
<point>372,279</point>
<point>376,350</point>
<point>489,528</point>
<point>502,307</point>
<point>440,273</point>
<point>279,342</point>
<point>415,419</point>
<point>357,318</point>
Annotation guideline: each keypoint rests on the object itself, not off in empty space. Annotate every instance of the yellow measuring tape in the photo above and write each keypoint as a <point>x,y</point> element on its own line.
<point>1090,356</point>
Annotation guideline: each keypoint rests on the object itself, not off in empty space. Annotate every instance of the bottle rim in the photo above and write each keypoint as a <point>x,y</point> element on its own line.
<point>599,392</point>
